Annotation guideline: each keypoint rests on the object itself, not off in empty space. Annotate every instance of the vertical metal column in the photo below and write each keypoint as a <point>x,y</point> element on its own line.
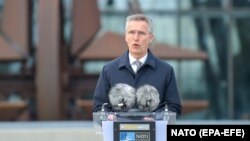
<point>178,30</point>
<point>230,75</point>
<point>48,78</point>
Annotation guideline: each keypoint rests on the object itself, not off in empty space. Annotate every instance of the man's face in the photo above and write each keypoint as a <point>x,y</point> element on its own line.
<point>138,38</point>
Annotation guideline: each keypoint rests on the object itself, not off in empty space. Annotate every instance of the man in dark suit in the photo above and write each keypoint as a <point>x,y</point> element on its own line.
<point>153,71</point>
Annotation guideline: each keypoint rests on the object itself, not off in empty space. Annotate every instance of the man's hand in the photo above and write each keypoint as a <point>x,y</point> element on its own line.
<point>148,119</point>
<point>111,117</point>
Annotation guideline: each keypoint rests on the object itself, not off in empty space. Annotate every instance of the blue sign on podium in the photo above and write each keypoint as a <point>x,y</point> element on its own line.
<point>133,126</point>
<point>134,131</point>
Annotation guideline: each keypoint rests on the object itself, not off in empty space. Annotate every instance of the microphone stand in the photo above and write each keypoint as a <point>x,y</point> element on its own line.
<point>103,113</point>
<point>165,115</point>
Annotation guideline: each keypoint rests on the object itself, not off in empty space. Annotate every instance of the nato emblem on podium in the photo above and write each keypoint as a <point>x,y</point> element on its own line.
<point>134,131</point>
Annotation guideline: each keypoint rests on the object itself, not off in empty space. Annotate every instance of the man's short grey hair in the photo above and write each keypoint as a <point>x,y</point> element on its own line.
<point>140,17</point>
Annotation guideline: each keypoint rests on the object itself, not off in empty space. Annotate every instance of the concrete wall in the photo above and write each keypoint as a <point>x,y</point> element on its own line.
<point>48,131</point>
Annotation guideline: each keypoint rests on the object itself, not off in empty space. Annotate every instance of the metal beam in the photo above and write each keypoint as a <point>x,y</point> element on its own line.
<point>86,23</point>
<point>199,12</point>
<point>15,30</point>
<point>48,81</point>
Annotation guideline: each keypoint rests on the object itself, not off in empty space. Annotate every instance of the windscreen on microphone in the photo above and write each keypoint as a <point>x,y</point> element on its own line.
<point>122,97</point>
<point>147,98</point>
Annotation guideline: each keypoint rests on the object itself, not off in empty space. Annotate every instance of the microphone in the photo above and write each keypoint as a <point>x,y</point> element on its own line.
<point>103,107</point>
<point>122,97</point>
<point>166,108</point>
<point>103,115</point>
<point>147,98</point>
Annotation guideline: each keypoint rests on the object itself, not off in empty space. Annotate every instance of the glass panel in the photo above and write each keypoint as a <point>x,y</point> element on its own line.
<point>241,3</point>
<point>241,68</point>
<point>210,29</point>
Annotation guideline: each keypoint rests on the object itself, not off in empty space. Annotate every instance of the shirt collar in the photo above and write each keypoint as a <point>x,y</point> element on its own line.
<point>132,59</point>
<point>125,61</point>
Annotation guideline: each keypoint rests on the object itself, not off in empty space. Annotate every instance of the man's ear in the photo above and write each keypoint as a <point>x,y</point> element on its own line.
<point>151,38</point>
<point>125,37</point>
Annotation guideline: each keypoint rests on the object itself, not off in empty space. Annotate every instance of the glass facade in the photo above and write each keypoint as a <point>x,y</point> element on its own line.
<point>218,27</point>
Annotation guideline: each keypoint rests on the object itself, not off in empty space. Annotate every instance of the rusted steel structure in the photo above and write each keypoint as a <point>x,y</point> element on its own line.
<point>54,80</point>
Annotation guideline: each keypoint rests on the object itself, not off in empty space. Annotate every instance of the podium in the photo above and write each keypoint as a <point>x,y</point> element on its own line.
<point>133,126</point>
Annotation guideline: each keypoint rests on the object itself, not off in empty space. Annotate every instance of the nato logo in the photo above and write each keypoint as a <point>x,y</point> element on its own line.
<point>127,136</point>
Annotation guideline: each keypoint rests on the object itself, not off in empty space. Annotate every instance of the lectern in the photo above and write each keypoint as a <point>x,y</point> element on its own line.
<point>133,126</point>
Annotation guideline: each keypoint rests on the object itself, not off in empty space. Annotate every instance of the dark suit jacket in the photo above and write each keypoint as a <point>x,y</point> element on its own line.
<point>154,72</point>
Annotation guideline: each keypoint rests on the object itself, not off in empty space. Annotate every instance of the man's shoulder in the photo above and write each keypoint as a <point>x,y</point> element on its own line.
<point>159,62</point>
<point>112,63</point>
<point>116,61</point>
<point>163,63</point>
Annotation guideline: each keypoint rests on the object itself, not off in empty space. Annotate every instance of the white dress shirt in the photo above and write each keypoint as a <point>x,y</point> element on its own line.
<point>132,60</point>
